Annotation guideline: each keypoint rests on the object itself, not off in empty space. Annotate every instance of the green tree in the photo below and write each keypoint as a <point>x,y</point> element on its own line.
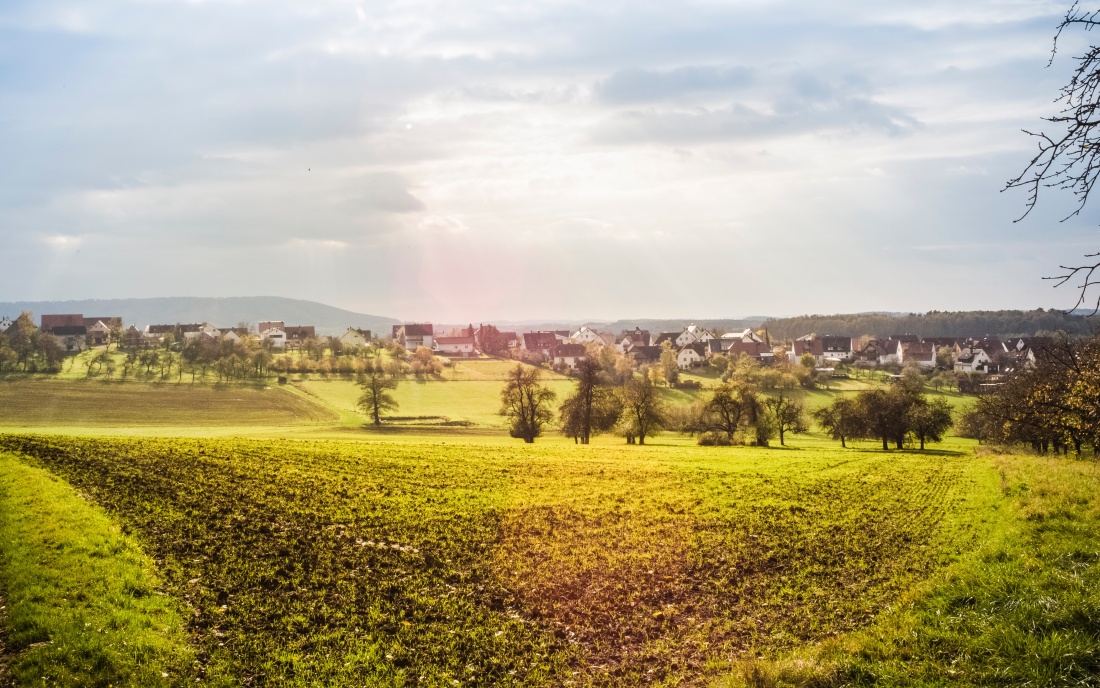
<point>841,419</point>
<point>929,419</point>
<point>669,367</point>
<point>725,412</point>
<point>644,415</point>
<point>526,403</point>
<point>376,397</point>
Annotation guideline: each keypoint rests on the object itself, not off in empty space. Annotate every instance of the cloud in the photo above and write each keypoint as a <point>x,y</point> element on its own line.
<point>386,192</point>
<point>682,137</point>
<point>639,85</point>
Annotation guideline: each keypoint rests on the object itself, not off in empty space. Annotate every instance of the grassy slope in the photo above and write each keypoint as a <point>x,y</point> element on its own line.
<point>373,563</point>
<point>1021,609</point>
<point>82,603</point>
<point>32,403</point>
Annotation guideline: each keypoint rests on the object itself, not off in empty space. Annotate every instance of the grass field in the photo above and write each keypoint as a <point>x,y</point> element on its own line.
<point>33,403</point>
<point>80,596</point>
<point>323,552</point>
<point>429,562</point>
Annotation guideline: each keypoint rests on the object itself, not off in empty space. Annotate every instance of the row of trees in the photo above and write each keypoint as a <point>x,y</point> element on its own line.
<point>1053,405</point>
<point>737,411</point>
<point>895,416</point>
<point>24,347</point>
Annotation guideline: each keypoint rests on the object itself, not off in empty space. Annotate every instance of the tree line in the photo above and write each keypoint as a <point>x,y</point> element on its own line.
<point>1052,405</point>
<point>933,324</point>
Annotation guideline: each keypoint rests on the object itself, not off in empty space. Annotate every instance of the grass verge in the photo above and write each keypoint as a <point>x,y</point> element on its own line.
<point>1023,609</point>
<point>82,606</point>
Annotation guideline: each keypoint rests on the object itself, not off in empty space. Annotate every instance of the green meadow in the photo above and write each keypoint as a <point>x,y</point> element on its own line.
<point>242,535</point>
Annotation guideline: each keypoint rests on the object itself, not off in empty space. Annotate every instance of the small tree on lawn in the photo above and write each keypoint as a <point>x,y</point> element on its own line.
<point>929,420</point>
<point>526,403</point>
<point>643,412</point>
<point>841,419</point>
<point>376,396</point>
<point>788,415</point>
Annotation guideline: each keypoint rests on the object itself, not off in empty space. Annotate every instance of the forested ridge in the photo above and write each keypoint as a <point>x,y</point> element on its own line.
<point>935,324</point>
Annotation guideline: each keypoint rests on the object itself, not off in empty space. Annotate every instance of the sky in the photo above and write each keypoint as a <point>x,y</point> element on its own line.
<point>470,161</point>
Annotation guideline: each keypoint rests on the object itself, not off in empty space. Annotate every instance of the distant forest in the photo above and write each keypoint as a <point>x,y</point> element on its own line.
<point>935,324</point>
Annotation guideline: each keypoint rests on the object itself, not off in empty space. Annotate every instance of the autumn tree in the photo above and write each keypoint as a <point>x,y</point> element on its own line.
<point>526,403</point>
<point>376,397</point>
<point>669,367</point>
<point>644,414</point>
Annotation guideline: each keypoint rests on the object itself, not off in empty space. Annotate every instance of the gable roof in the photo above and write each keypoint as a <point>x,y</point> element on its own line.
<point>569,351</point>
<point>539,340</point>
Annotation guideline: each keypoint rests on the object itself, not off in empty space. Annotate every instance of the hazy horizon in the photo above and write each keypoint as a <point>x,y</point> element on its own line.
<point>553,161</point>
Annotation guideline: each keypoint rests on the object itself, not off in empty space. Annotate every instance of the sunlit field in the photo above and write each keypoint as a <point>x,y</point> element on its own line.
<point>433,561</point>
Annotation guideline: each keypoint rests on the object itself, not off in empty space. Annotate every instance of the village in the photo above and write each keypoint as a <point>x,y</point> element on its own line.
<point>693,346</point>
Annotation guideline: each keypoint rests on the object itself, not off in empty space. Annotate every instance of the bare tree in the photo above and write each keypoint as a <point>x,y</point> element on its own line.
<point>526,402</point>
<point>1070,159</point>
<point>788,414</point>
<point>592,408</point>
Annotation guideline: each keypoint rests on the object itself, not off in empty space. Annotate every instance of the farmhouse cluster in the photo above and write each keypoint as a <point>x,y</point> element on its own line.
<point>693,345</point>
<point>75,332</point>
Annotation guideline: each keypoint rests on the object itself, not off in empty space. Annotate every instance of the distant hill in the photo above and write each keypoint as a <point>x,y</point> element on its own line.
<point>935,324</point>
<point>220,312</point>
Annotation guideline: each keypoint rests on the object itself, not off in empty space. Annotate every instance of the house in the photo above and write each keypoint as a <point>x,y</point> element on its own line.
<point>923,354</point>
<point>760,351</point>
<point>627,339</point>
<point>586,335</point>
<point>541,342</point>
<point>667,337</point>
<point>99,333</point>
<point>836,348</point>
<point>275,335</point>
<point>296,335</point>
<point>800,347</point>
<point>455,346</point>
<point>133,338</point>
<point>700,334</point>
<point>973,361</point>
<point>265,325</point>
<point>179,332</point>
<point>645,355</point>
<point>687,336</point>
<point>691,355</point>
<point>71,337</point>
<point>233,334</point>
<point>355,337</point>
<point>568,355</point>
<point>413,335</point>
<point>50,322</point>
<point>746,335</point>
<point>207,330</point>
<point>5,323</point>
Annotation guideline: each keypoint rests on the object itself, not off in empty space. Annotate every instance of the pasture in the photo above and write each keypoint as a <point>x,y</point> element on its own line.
<point>467,562</point>
<point>94,403</point>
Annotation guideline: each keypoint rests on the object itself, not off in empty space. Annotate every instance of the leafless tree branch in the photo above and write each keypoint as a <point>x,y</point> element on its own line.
<point>1070,161</point>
